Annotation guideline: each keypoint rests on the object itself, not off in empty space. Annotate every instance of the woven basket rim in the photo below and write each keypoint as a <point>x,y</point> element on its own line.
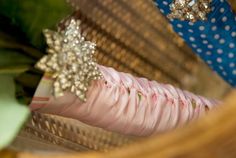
<point>203,138</point>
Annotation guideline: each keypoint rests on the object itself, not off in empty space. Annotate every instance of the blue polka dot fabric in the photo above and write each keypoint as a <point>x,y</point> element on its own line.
<point>214,40</point>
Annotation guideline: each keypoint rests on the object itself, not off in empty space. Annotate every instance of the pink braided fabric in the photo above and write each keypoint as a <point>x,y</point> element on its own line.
<point>122,103</point>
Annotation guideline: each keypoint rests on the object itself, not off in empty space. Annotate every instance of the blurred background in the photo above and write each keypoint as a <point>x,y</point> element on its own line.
<point>131,36</point>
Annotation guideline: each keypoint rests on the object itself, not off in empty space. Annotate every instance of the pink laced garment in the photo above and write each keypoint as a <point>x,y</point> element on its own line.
<point>122,103</point>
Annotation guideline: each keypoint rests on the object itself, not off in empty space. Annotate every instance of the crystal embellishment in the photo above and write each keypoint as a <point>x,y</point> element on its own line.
<point>190,10</point>
<point>70,61</point>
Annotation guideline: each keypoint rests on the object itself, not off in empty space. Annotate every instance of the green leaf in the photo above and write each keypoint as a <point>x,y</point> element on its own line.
<point>12,37</point>
<point>14,62</point>
<point>21,25</point>
<point>12,114</point>
<point>13,58</point>
<point>34,16</point>
<point>16,55</point>
<point>7,42</point>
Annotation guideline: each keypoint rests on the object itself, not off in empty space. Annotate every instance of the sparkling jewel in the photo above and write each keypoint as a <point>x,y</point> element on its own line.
<point>70,61</point>
<point>191,10</point>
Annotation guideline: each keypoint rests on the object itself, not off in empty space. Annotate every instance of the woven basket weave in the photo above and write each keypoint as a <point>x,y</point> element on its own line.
<point>212,136</point>
<point>72,134</point>
<point>133,37</point>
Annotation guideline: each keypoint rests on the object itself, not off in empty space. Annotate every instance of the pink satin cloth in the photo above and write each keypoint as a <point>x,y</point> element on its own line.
<point>122,103</point>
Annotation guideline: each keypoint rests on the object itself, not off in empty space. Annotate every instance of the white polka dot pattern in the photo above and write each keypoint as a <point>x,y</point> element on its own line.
<point>213,40</point>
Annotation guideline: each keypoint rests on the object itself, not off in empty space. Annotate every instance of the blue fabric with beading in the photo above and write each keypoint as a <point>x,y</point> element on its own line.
<point>214,40</point>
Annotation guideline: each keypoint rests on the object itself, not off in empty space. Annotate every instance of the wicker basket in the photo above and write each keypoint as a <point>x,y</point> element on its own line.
<point>69,134</point>
<point>130,29</point>
<point>212,136</point>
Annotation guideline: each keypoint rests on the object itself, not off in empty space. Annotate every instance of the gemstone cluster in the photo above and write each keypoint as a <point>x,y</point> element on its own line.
<point>190,10</point>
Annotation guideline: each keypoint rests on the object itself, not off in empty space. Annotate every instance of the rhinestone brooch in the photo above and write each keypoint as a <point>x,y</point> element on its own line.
<point>69,61</point>
<point>190,10</point>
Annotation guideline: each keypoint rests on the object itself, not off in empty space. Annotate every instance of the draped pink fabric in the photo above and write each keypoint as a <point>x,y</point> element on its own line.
<point>122,103</point>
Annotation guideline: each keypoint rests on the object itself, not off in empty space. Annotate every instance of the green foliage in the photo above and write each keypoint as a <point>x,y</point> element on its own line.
<point>12,114</point>
<point>21,45</point>
<point>12,61</point>
<point>32,16</point>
